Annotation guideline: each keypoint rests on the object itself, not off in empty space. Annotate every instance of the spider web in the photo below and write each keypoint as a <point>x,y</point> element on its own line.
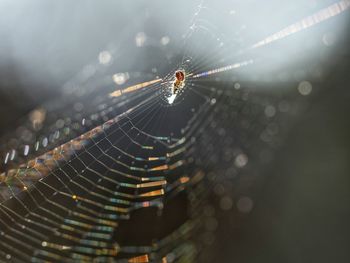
<point>129,179</point>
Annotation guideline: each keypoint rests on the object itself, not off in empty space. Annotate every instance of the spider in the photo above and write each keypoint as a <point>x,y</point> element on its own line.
<point>179,82</point>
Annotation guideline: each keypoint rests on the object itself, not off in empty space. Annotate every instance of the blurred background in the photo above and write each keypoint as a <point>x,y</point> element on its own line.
<point>273,145</point>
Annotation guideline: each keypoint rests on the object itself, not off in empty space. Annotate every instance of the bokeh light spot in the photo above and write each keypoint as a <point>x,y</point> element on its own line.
<point>305,88</point>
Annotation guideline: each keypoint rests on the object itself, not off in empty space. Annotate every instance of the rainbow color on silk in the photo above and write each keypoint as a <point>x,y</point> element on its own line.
<point>320,16</point>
